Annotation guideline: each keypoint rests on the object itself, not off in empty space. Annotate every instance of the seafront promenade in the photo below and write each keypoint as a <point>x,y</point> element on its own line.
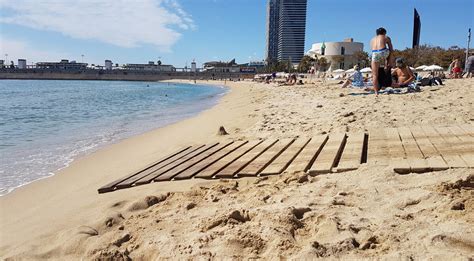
<point>115,75</point>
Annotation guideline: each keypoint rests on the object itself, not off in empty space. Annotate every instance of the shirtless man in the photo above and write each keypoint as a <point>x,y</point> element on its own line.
<point>404,74</point>
<point>380,54</point>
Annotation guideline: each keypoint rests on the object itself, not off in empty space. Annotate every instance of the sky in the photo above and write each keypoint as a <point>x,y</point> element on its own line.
<point>180,31</point>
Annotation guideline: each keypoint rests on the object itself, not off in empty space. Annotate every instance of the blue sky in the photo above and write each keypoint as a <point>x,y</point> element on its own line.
<point>178,31</point>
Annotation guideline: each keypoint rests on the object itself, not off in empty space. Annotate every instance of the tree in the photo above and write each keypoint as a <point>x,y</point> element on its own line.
<point>362,58</point>
<point>323,63</point>
<point>305,64</point>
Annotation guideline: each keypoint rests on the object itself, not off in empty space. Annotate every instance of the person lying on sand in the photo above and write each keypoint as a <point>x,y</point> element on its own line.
<point>403,73</point>
<point>381,46</point>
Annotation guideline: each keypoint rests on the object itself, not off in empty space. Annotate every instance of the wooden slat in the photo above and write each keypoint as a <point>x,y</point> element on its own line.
<point>468,128</point>
<point>328,156</point>
<point>415,157</point>
<point>305,158</point>
<point>398,161</point>
<point>466,147</point>
<point>283,161</point>
<point>151,167</point>
<point>190,172</point>
<point>149,178</point>
<point>377,149</point>
<point>257,165</point>
<point>228,159</point>
<point>352,154</point>
<point>431,154</point>
<point>233,168</point>
<point>453,160</point>
<point>188,164</point>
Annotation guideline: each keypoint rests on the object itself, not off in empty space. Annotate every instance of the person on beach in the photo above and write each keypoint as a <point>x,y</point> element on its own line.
<point>381,46</point>
<point>356,80</point>
<point>456,65</point>
<point>403,73</point>
<point>470,66</point>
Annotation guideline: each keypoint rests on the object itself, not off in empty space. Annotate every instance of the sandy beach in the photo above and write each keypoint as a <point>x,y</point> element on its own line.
<point>364,214</point>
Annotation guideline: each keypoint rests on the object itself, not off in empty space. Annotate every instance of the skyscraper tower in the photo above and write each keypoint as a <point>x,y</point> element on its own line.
<point>286,26</point>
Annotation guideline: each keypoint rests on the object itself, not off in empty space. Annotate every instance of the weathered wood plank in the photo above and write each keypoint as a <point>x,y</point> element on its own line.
<point>257,165</point>
<point>398,159</point>
<point>306,157</point>
<point>377,149</point>
<point>230,170</point>
<point>415,157</point>
<point>190,163</point>
<point>228,159</point>
<point>452,160</point>
<point>352,154</point>
<point>190,172</point>
<point>468,128</point>
<point>466,146</point>
<point>149,178</point>
<point>149,168</point>
<point>283,161</point>
<point>431,154</point>
<point>328,156</point>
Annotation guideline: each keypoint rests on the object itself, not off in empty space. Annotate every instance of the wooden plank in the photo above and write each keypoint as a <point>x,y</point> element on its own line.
<point>190,172</point>
<point>306,157</point>
<point>398,160</point>
<point>456,145</point>
<point>283,161</point>
<point>377,149</point>
<point>466,147</point>
<point>468,128</point>
<point>230,170</point>
<point>188,164</point>
<point>352,155</point>
<point>452,160</point>
<point>431,154</point>
<point>149,178</point>
<point>415,157</point>
<point>328,156</point>
<point>153,166</point>
<point>263,160</point>
<point>228,159</point>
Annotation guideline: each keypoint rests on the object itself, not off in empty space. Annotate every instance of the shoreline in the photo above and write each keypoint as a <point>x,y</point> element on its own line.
<point>214,100</point>
<point>133,153</point>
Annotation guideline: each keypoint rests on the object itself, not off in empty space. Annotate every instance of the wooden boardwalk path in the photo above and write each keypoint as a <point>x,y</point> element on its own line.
<point>414,149</point>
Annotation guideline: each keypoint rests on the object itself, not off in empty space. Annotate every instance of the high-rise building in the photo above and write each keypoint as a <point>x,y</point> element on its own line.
<point>273,19</point>
<point>416,29</point>
<point>286,26</point>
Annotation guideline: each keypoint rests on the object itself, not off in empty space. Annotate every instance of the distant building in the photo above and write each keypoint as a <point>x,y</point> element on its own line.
<point>21,64</point>
<point>193,67</point>
<point>62,65</point>
<point>220,67</point>
<point>108,64</point>
<point>340,55</point>
<point>150,66</point>
<point>286,28</point>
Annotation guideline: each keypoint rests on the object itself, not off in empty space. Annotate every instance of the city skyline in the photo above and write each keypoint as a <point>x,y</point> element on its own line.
<point>177,32</point>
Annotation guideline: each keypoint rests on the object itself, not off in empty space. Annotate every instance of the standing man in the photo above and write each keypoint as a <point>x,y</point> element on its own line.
<point>470,66</point>
<point>381,46</point>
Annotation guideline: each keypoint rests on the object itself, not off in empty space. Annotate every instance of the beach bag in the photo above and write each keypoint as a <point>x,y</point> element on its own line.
<point>385,77</point>
<point>426,82</point>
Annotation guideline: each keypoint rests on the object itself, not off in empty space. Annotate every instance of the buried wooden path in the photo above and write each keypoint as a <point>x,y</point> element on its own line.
<point>414,149</point>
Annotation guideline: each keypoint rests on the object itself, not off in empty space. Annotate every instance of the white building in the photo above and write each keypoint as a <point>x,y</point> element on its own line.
<point>193,67</point>
<point>108,64</point>
<point>21,64</point>
<point>340,55</point>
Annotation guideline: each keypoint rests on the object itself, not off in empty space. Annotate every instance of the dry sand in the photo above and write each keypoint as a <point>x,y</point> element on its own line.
<point>364,214</point>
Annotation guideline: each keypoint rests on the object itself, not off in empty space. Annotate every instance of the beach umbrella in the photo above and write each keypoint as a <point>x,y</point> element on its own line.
<point>350,70</point>
<point>338,71</point>
<point>433,67</point>
<point>366,70</point>
<point>412,69</point>
<point>421,67</point>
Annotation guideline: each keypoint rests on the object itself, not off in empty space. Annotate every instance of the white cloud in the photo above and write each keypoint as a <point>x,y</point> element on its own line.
<point>125,23</point>
<point>17,49</point>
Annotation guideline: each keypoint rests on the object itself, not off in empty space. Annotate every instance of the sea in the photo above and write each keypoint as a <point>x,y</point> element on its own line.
<point>46,124</point>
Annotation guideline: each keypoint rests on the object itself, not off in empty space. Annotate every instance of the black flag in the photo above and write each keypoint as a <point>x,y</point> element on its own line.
<point>416,30</point>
